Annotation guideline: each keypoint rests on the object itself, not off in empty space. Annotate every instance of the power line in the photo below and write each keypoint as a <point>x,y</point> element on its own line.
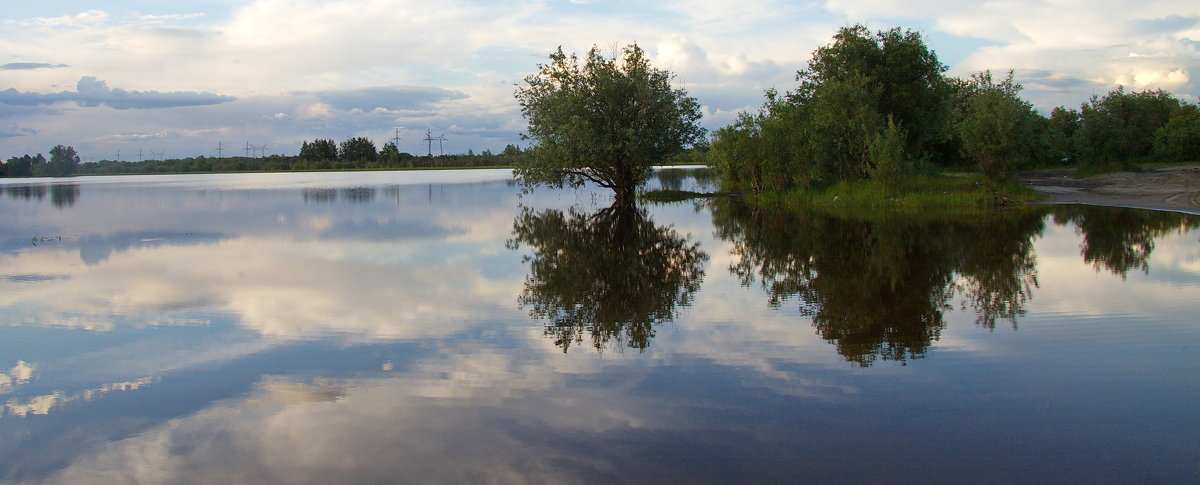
<point>258,151</point>
<point>430,139</point>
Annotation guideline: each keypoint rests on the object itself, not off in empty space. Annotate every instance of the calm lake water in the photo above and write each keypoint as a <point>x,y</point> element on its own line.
<point>439,327</point>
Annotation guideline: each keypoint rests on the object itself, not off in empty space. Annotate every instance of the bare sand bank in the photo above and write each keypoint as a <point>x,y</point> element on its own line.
<point>1175,188</point>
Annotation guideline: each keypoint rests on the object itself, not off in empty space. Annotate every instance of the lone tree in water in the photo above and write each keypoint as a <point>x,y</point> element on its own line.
<point>607,121</point>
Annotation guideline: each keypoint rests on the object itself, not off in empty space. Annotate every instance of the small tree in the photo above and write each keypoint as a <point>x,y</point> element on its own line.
<point>996,127</point>
<point>607,121</point>
<point>390,155</point>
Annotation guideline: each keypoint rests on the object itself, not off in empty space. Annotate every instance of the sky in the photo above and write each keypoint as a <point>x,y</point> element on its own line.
<point>149,79</point>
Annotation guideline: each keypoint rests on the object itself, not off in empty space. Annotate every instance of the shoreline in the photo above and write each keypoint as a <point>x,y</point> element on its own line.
<point>1174,188</point>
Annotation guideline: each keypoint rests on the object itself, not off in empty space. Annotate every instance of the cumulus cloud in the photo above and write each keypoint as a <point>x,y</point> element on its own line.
<point>91,92</point>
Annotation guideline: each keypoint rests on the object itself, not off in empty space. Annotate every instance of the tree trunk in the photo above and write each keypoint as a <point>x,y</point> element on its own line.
<point>625,196</point>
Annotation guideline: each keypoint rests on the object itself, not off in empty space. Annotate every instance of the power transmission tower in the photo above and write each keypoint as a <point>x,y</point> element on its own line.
<point>430,139</point>
<point>258,151</point>
<point>396,139</point>
<point>218,149</point>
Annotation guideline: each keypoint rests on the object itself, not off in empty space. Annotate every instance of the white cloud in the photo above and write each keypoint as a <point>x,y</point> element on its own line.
<point>269,53</point>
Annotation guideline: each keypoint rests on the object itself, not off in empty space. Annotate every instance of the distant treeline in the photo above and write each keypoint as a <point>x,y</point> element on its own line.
<point>878,106</point>
<point>353,154</point>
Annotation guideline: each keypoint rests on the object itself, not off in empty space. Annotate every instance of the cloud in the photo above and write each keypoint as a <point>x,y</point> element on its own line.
<point>25,66</point>
<point>399,98</point>
<point>92,92</point>
<point>328,80</point>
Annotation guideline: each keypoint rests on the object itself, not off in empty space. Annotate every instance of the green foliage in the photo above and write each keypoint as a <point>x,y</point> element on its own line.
<point>900,74</point>
<point>1062,125</point>
<point>23,166</point>
<point>908,192</point>
<point>276,163</point>
<point>844,120</point>
<point>319,150</point>
<point>63,162</point>
<point>358,149</point>
<point>997,127</point>
<point>887,155</point>
<point>1117,131</point>
<point>607,121</point>
<point>1179,139</point>
<point>863,100</point>
<point>863,91</point>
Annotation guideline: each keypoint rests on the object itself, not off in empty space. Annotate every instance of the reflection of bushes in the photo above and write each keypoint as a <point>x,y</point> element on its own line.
<point>61,195</point>
<point>356,195</point>
<point>1121,239</point>
<point>612,274</point>
<point>877,287</point>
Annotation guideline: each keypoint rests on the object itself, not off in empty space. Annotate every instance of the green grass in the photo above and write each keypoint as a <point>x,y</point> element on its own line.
<point>964,191</point>
<point>663,195</point>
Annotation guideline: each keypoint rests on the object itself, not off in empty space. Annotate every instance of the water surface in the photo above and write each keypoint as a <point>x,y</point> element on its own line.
<point>441,327</point>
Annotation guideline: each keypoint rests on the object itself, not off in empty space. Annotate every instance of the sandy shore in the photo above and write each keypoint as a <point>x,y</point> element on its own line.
<point>1174,188</point>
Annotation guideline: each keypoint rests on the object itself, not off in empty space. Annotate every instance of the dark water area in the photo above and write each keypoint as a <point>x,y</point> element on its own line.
<point>443,327</point>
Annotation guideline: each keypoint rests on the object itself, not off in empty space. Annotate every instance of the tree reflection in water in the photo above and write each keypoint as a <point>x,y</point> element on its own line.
<point>1121,239</point>
<point>877,286</point>
<point>612,275</point>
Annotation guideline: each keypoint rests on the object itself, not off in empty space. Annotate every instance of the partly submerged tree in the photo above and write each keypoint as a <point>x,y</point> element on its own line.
<point>607,121</point>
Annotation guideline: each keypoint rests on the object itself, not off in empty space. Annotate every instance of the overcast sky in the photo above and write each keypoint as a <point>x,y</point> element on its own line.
<point>180,78</point>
